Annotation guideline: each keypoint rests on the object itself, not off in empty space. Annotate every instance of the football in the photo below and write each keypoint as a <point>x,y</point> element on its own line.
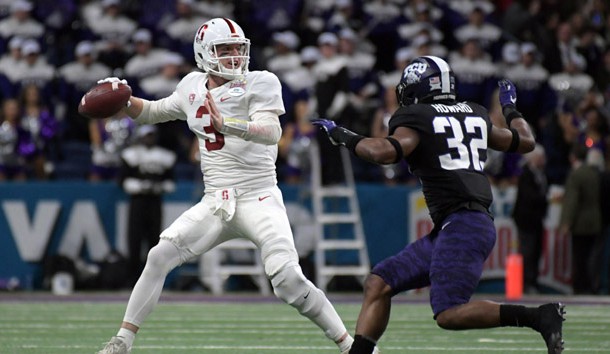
<point>104,100</point>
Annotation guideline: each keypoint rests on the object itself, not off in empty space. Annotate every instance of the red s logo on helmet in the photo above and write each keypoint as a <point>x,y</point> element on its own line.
<point>201,31</point>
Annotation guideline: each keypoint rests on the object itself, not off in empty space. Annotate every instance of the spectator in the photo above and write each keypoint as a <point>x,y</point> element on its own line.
<point>34,68</point>
<point>397,172</point>
<point>522,20</point>
<point>423,45</point>
<point>605,239</point>
<point>214,8</point>
<point>511,56</point>
<point>332,95</point>
<point>382,20</point>
<point>563,48</point>
<point>423,21</point>
<point>42,127</point>
<point>346,14</point>
<point>111,24</point>
<point>401,58</point>
<point>363,85</point>
<point>531,78</point>
<point>487,34</point>
<point>602,75</point>
<point>181,28</point>
<point>74,80</point>
<point>163,83</point>
<point>10,60</point>
<point>147,60</point>
<point>591,46</point>
<point>529,212</point>
<point>146,175</point>
<point>114,29</point>
<point>108,137</point>
<point>594,133</point>
<point>571,84</point>
<point>20,23</point>
<point>581,218</point>
<point>475,73</point>
<point>283,56</point>
<point>293,148</point>
<point>16,145</point>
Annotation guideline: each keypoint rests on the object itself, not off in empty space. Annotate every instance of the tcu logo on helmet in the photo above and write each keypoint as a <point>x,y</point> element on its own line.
<point>414,71</point>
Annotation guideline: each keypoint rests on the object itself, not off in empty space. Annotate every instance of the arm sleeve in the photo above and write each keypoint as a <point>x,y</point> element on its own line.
<point>163,110</point>
<point>264,128</point>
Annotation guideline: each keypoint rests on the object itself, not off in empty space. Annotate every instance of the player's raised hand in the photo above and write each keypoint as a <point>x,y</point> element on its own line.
<point>328,126</point>
<point>508,93</point>
<point>215,116</point>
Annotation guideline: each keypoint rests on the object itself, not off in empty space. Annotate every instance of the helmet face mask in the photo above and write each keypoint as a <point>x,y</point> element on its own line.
<point>221,49</point>
<point>426,79</point>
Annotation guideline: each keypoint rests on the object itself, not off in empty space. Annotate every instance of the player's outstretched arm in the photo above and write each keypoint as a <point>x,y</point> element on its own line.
<point>518,137</point>
<point>382,151</point>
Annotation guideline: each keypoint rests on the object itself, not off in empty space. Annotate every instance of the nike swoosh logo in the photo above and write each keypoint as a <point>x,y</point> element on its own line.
<point>222,99</point>
<point>260,199</point>
<point>513,99</point>
<point>306,295</point>
<point>445,225</point>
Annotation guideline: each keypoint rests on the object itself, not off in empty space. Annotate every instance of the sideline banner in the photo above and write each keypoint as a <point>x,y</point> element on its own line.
<point>86,220</point>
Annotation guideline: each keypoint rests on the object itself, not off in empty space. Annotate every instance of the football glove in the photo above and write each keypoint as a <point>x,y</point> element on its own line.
<point>115,79</point>
<point>338,135</point>
<point>112,79</point>
<point>328,126</point>
<point>508,100</point>
<point>508,93</point>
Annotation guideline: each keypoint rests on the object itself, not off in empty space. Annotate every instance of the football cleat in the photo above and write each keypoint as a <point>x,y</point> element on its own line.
<point>550,326</point>
<point>115,346</point>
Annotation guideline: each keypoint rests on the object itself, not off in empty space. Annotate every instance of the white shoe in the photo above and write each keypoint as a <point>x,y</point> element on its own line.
<point>375,351</point>
<point>115,346</point>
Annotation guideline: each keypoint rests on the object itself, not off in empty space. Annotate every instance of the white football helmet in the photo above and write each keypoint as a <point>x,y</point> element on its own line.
<point>221,31</point>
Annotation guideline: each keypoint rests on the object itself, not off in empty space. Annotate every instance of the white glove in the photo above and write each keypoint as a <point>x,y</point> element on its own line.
<point>112,79</point>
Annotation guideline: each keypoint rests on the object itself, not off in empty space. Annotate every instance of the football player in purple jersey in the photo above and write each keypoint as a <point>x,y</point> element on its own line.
<point>445,143</point>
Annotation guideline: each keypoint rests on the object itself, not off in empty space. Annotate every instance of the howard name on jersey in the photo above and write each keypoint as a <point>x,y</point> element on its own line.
<point>226,161</point>
<point>450,163</point>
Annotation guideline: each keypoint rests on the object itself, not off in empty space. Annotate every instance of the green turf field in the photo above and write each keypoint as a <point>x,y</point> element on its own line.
<point>268,327</point>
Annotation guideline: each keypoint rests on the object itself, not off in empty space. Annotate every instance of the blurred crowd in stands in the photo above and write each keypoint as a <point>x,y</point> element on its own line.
<point>338,59</point>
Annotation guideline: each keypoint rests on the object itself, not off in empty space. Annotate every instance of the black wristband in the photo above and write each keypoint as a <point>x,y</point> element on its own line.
<point>397,147</point>
<point>514,144</point>
<point>510,112</point>
<point>347,137</point>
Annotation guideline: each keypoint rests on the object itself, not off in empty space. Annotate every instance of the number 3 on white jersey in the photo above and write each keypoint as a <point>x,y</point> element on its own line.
<point>466,154</point>
<point>219,140</point>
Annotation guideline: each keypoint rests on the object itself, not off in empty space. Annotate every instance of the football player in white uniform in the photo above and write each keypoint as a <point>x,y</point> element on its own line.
<point>234,114</point>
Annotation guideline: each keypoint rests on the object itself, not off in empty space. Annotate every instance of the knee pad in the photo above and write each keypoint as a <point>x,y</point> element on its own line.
<point>292,287</point>
<point>163,257</point>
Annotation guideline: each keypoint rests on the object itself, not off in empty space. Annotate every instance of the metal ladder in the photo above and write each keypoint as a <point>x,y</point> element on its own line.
<point>342,196</point>
<point>213,272</point>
